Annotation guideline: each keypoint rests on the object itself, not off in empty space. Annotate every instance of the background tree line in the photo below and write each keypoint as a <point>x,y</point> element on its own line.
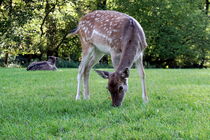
<point>177,31</point>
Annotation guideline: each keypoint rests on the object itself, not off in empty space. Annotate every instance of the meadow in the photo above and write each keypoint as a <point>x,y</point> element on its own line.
<point>41,105</point>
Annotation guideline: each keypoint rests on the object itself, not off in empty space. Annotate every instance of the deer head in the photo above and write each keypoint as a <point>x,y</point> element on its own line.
<point>52,59</point>
<point>117,84</point>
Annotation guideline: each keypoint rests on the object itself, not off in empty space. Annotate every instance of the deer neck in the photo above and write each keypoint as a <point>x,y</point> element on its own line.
<point>127,58</point>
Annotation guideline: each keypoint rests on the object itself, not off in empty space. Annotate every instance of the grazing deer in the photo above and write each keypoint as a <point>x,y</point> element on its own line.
<point>43,65</point>
<point>121,36</point>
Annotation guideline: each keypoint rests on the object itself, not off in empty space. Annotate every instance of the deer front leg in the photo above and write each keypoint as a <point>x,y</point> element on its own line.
<point>140,68</point>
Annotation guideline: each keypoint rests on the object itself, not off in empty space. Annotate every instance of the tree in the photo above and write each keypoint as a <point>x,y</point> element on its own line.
<point>13,16</point>
<point>177,31</point>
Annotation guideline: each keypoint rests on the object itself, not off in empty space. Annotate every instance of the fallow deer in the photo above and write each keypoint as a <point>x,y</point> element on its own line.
<point>43,65</point>
<point>121,36</point>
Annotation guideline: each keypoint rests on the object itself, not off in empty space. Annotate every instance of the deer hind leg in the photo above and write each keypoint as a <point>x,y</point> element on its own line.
<point>140,68</point>
<point>94,58</point>
<point>84,62</point>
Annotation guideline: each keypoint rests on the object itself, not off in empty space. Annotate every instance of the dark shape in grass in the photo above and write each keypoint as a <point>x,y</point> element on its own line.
<point>43,65</point>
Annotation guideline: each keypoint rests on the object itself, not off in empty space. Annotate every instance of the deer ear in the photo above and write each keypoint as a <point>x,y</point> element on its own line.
<point>103,74</point>
<point>125,73</point>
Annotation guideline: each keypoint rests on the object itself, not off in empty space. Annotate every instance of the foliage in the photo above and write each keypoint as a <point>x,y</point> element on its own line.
<point>177,31</point>
<point>42,31</point>
<point>66,64</point>
<point>41,105</point>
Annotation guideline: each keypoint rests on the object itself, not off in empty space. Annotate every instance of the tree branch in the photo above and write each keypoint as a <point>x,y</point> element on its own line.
<point>44,19</point>
<point>64,37</point>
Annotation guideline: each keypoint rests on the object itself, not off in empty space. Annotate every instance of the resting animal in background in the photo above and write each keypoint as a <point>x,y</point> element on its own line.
<point>111,32</point>
<point>44,65</point>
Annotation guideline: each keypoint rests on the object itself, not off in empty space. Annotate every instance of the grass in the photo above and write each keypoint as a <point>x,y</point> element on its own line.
<point>41,105</point>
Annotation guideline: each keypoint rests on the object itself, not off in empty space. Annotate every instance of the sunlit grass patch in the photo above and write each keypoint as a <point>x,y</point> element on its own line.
<point>41,105</point>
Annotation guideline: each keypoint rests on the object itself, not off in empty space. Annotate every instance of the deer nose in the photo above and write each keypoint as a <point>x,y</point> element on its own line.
<point>116,105</point>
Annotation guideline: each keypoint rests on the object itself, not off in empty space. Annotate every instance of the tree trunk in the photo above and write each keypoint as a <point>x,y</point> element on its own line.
<point>50,53</point>
<point>6,59</point>
<point>207,6</point>
<point>101,4</point>
<point>201,65</point>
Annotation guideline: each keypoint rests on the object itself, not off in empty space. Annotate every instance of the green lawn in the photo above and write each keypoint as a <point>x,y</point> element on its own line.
<point>41,105</point>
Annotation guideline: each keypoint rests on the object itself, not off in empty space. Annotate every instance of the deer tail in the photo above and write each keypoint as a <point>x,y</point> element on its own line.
<point>73,32</point>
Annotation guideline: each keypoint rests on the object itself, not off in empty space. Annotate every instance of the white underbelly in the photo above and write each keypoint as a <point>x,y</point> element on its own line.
<point>103,48</point>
